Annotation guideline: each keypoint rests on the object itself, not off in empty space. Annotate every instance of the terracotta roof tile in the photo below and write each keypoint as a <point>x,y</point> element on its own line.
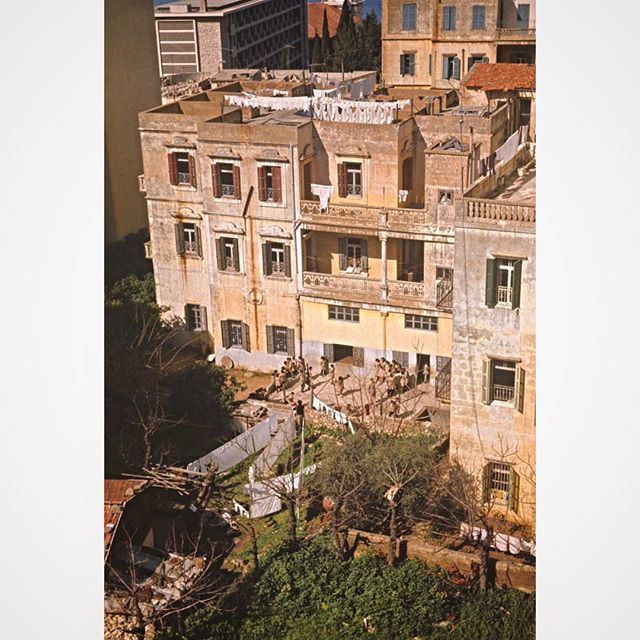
<point>315,16</point>
<point>501,76</point>
<point>116,494</point>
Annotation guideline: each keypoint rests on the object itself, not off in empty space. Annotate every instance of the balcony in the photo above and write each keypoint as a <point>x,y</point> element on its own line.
<point>514,34</point>
<point>427,220</point>
<point>351,286</point>
<point>504,295</point>
<point>503,393</point>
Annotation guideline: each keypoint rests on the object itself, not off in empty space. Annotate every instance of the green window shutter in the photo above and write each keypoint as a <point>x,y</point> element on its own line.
<point>486,482</point>
<point>220,258</point>
<point>490,290</point>
<point>291,342</point>
<point>198,241</point>
<point>236,254</point>
<point>203,315</point>
<point>519,389</point>
<point>342,251</point>
<point>514,490</point>
<point>486,381</point>
<point>246,344</point>
<point>517,282</point>
<point>287,261</point>
<point>266,258</point>
<point>226,338</point>
<point>270,347</point>
<point>179,229</point>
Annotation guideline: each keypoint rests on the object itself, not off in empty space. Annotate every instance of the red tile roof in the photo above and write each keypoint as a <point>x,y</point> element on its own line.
<point>116,494</point>
<point>315,16</point>
<point>501,76</point>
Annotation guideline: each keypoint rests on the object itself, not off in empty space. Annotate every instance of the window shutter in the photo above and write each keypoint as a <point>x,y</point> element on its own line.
<point>445,67</point>
<point>266,258</point>
<point>215,178</point>
<point>486,482</point>
<point>486,381</point>
<point>226,337</point>
<point>490,287</point>
<point>519,389</point>
<point>287,260</point>
<point>328,352</point>
<point>430,62</point>
<point>236,254</point>
<point>246,345</point>
<point>291,342</point>
<point>342,251</point>
<point>262,184</point>
<point>173,168</point>
<point>517,281</point>
<point>222,265</point>
<point>358,357</point>
<point>364,261</point>
<point>237,192</point>
<point>277,184</point>
<point>203,315</point>
<point>270,347</point>
<point>514,490</point>
<point>192,170</point>
<point>187,317</point>
<point>401,73</point>
<point>198,241</point>
<point>456,68</point>
<point>342,180</point>
<point>179,228</point>
<point>452,18</point>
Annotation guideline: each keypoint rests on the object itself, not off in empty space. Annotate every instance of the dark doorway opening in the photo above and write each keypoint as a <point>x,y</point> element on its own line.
<point>422,365</point>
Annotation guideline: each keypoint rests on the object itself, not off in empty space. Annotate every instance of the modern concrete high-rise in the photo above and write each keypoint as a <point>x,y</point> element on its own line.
<point>131,85</point>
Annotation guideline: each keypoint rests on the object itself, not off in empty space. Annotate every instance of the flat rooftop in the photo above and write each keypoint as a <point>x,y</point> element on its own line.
<point>517,189</point>
<point>193,8</point>
<point>279,118</point>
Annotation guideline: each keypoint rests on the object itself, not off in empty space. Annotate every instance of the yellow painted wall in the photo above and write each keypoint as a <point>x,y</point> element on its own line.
<point>437,343</point>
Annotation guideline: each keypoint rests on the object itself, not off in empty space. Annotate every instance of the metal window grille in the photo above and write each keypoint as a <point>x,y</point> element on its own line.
<point>354,190</point>
<point>503,392</point>
<point>227,189</point>
<point>235,334</point>
<point>194,317</point>
<point>504,295</point>
<point>500,477</point>
<point>280,344</point>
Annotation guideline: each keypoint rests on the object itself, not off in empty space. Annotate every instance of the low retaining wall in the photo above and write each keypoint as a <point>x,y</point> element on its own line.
<point>509,572</point>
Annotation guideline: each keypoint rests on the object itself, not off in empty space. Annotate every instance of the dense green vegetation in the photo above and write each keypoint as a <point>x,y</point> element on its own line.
<point>310,594</point>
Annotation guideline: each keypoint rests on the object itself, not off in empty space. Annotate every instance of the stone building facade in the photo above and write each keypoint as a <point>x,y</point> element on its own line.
<point>429,44</point>
<point>275,234</point>
<point>204,36</point>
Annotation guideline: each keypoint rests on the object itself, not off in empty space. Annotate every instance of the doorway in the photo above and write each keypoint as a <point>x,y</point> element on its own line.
<point>423,368</point>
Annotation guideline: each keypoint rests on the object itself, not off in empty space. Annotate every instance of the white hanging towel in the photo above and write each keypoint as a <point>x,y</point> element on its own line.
<point>324,192</point>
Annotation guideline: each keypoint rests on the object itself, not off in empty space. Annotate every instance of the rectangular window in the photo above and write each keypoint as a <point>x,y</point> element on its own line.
<point>409,17</point>
<point>182,165</point>
<point>188,239</point>
<point>178,47</point>
<point>501,484</point>
<point>444,288</point>
<point>449,18</point>
<point>445,196</point>
<point>354,178</point>
<point>195,317</point>
<point>276,259</point>
<point>352,255</point>
<point>348,314</point>
<point>475,59</point>
<point>523,16</point>
<point>408,64</point>
<point>425,323</point>
<point>503,282</point>
<point>235,334</point>
<point>279,336</point>
<point>182,168</point>
<point>226,180</point>
<point>451,67</point>
<point>270,184</point>
<point>228,254</point>
<point>500,473</point>
<point>503,381</point>
<point>477,21</point>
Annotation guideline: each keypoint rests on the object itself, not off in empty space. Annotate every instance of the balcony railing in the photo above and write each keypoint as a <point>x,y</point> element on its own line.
<point>504,295</point>
<point>406,289</point>
<point>515,34</point>
<point>326,282</point>
<point>227,190</point>
<point>377,217</point>
<point>480,209</point>
<point>184,178</point>
<point>354,190</point>
<point>502,392</point>
<point>190,247</point>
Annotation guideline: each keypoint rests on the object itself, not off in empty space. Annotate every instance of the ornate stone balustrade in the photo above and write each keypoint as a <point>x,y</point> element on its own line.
<point>515,34</point>
<point>399,288</point>
<point>328,283</point>
<point>478,209</point>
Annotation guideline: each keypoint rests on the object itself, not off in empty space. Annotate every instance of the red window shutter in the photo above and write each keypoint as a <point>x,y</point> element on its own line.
<point>236,181</point>
<point>342,180</point>
<point>173,169</point>
<point>262,184</point>
<point>215,177</point>
<point>277,184</point>
<point>192,170</point>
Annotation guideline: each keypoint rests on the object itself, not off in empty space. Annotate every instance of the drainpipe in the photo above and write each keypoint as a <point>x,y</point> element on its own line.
<point>297,241</point>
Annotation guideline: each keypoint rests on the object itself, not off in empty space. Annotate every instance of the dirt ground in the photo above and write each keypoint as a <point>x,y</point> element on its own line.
<point>251,379</point>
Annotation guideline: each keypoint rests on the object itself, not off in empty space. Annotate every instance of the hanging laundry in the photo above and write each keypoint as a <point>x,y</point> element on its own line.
<point>324,192</point>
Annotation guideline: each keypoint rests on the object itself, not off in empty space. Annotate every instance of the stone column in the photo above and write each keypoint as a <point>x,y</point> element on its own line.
<point>384,284</point>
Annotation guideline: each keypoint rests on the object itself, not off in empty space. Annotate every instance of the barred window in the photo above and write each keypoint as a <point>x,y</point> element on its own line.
<point>196,317</point>
<point>426,323</point>
<point>500,472</point>
<point>349,314</point>
<point>235,333</point>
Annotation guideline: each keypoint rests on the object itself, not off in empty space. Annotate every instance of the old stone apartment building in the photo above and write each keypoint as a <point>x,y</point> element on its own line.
<point>277,233</point>
<point>204,36</point>
<point>429,43</point>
